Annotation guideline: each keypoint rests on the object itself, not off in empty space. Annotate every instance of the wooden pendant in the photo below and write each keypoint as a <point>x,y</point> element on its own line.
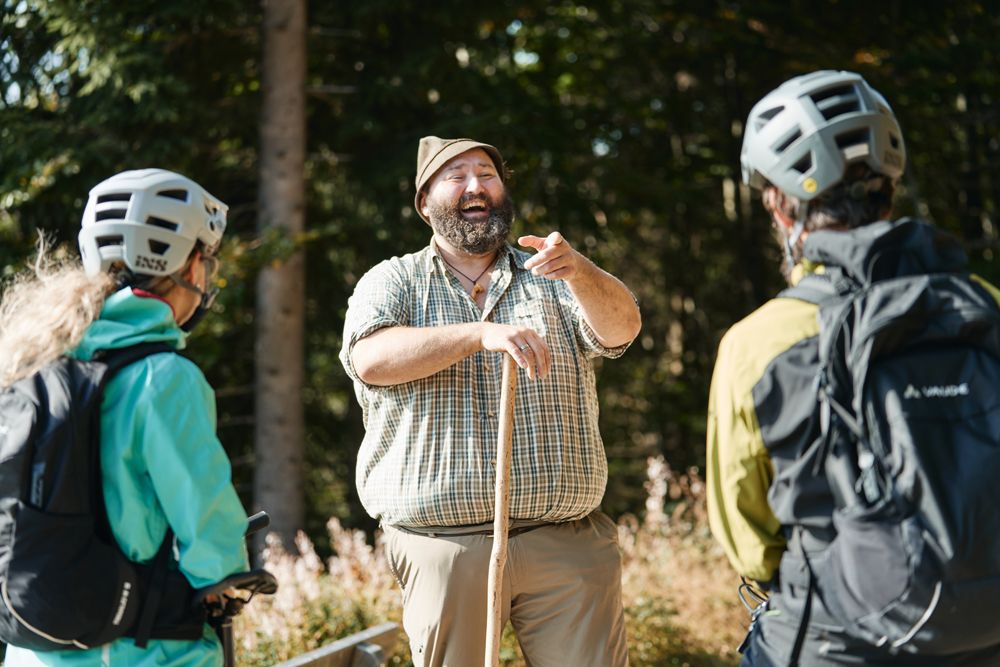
<point>477,289</point>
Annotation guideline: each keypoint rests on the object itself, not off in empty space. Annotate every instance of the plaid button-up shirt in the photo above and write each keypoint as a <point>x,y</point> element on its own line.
<point>428,456</point>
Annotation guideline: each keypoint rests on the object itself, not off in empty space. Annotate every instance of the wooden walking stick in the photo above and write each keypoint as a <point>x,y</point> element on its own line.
<point>501,513</point>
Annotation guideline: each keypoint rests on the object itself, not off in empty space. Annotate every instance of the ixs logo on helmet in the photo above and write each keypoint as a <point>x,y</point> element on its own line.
<point>151,263</point>
<point>937,391</point>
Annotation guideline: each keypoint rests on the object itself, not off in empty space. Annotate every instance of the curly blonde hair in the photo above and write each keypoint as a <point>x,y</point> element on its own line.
<point>45,311</point>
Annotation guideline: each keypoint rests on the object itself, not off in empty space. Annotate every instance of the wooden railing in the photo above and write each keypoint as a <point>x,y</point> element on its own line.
<point>368,648</point>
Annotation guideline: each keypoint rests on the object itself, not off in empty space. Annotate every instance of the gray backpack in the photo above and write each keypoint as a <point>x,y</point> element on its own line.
<point>910,411</point>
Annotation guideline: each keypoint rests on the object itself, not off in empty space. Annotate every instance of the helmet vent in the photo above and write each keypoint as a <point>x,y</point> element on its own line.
<point>114,196</point>
<point>180,195</point>
<point>838,101</point>
<point>160,222</point>
<point>765,117</point>
<point>851,138</point>
<point>110,214</point>
<point>894,141</point>
<point>103,241</point>
<point>158,247</point>
<point>803,165</point>
<point>788,141</point>
<point>854,144</point>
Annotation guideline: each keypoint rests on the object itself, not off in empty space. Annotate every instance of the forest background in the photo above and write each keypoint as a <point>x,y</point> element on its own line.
<point>621,121</point>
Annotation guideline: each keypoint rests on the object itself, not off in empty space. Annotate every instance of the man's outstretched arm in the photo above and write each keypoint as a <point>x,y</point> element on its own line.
<point>607,304</point>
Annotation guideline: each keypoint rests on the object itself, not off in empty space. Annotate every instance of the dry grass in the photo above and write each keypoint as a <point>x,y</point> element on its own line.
<point>671,562</point>
<point>679,591</point>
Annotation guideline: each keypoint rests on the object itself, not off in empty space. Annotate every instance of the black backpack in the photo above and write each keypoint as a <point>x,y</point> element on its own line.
<point>910,411</point>
<point>64,582</point>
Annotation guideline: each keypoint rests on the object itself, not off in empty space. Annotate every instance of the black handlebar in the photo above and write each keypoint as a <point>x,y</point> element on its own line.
<point>220,608</point>
<point>254,581</point>
<point>257,522</point>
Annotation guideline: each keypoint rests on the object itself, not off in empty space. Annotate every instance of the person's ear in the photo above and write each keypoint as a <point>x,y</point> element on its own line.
<point>781,203</point>
<point>423,205</point>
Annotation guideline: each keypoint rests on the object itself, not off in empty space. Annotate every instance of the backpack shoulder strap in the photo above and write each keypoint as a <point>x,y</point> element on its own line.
<point>155,572</point>
<point>117,359</point>
<point>813,288</point>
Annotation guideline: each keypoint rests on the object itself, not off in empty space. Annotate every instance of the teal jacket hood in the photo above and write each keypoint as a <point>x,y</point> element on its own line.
<point>129,319</point>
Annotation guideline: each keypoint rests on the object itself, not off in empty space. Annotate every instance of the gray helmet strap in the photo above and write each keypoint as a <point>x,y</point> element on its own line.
<point>207,296</point>
<point>180,280</point>
<point>795,233</point>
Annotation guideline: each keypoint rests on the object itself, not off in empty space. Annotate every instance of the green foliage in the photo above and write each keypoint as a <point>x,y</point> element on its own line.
<point>621,120</point>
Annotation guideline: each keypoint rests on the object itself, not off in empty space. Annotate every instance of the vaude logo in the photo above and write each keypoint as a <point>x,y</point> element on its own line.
<point>144,262</point>
<point>937,391</point>
<point>122,603</point>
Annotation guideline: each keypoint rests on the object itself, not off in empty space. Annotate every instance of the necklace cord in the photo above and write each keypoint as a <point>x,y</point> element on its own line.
<point>474,281</point>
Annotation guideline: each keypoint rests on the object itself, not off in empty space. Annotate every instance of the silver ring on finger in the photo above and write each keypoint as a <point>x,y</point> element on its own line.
<point>523,347</point>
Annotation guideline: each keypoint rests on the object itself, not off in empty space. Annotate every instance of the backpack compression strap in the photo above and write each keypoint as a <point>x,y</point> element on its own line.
<point>155,579</point>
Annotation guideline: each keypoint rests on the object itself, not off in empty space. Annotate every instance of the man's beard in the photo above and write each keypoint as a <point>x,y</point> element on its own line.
<point>473,236</point>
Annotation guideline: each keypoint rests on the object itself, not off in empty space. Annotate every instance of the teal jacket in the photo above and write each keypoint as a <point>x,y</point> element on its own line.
<point>161,464</point>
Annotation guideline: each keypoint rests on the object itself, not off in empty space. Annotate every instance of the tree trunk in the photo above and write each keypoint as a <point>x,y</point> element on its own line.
<point>279,433</point>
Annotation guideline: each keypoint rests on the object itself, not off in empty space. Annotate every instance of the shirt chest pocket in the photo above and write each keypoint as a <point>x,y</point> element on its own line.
<point>537,314</point>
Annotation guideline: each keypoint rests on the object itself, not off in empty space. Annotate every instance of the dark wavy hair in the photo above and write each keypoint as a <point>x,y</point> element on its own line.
<point>862,197</point>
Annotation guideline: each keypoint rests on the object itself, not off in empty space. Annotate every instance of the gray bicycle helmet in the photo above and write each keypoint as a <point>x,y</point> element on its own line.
<point>802,136</point>
<point>149,219</point>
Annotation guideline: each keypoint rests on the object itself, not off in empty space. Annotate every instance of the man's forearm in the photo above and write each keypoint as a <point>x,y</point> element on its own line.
<point>607,305</point>
<point>395,355</point>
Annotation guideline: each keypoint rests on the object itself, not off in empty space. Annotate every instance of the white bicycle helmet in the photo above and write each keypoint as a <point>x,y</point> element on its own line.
<point>802,136</point>
<point>149,219</point>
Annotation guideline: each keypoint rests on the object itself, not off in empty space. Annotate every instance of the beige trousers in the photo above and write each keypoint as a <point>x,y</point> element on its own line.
<point>561,592</point>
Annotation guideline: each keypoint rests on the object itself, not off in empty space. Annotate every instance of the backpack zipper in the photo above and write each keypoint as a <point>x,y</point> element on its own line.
<point>30,627</point>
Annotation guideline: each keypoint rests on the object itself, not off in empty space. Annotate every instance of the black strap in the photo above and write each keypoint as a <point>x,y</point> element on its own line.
<point>155,572</point>
<point>800,635</point>
<point>156,579</point>
<point>117,359</point>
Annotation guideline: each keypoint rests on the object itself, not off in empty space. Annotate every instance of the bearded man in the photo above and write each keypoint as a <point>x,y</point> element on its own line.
<point>424,340</point>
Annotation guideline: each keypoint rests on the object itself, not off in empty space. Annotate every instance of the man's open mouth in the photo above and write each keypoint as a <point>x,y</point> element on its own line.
<point>474,208</point>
